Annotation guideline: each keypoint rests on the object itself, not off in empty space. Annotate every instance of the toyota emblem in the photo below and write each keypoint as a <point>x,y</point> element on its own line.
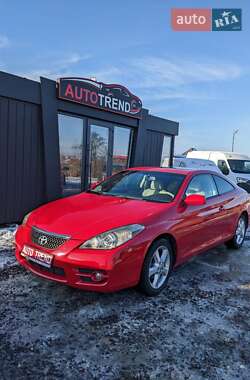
<point>43,240</point>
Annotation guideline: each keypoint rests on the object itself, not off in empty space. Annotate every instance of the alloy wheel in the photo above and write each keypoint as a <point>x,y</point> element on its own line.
<point>159,267</point>
<point>240,231</point>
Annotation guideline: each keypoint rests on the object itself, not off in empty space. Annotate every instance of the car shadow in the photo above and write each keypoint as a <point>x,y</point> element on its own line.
<point>191,273</point>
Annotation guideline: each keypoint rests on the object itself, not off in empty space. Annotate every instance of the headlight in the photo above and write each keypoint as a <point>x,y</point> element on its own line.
<point>26,218</point>
<point>241,180</point>
<point>113,238</point>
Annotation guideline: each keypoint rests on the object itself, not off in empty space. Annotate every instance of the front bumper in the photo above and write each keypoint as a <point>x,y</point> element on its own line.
<point>120,267</point>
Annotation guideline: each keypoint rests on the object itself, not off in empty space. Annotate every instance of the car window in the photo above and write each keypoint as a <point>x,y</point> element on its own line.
<point>240,166</point>
<point>222,165</point>
<point>202,184</point>
<point>223,185</point>
<point>145,185</point>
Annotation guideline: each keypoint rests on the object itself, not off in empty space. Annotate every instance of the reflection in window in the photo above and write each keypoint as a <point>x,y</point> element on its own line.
<point>202,184</point>
<point>165,156</point>
<point>122,137</point>
<point>98,153</point>
<point>70,141</point>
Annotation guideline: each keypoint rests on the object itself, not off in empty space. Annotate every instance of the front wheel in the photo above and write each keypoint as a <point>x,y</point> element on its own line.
<point>240,233</point>
<point>157,267</point>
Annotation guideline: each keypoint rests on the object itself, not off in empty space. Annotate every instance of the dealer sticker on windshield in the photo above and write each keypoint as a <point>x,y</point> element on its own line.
<point>32,254</point>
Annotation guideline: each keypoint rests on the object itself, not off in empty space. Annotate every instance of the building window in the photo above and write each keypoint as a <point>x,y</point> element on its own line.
<point>121,150</point>
<point>99,142</point>
<point>70,143</point>
<point>80,167</point>
<point>166,150</point>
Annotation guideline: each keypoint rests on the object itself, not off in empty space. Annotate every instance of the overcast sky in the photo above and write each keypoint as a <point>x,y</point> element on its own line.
<point>200,79</point>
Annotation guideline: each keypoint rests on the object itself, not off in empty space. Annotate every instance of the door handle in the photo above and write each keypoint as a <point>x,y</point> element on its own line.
<point>221,208</point>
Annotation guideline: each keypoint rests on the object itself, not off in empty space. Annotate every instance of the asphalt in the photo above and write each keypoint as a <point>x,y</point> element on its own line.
<point>198,328</point>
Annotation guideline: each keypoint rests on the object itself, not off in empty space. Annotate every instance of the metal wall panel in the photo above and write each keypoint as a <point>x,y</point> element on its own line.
<point>21,158</point>
<point>152,148</point>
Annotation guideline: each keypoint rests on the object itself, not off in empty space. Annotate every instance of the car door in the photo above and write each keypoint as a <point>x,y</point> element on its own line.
<point>229,207</point>
<point>199,228</point>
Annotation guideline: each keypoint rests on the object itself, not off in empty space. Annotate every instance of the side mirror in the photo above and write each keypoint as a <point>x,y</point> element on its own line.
<point>195,200</point>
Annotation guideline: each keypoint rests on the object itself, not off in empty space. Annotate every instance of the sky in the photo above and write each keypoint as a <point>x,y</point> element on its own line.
<point>200,79</point>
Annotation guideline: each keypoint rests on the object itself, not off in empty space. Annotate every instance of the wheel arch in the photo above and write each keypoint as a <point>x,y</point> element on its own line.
<point>245,214</point>
<point>172,241</point>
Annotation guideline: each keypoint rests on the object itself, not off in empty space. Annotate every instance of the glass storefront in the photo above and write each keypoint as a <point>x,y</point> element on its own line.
<point>99,143</point>
<point>166,151</point>
<point>122,146</point>
<point>109,151</point>
<point>71,145</point>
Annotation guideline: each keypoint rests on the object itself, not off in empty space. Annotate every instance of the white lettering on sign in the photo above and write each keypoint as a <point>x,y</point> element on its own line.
<point>108,101</point>
<point>121,106</point>
<point>101,96</point>
<point>114,103</point>
<point>41,256</point>
<point>193,19</point>
<point>127,107</point>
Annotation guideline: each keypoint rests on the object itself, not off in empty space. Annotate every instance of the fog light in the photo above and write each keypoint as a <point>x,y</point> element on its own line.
<point>97,276</point>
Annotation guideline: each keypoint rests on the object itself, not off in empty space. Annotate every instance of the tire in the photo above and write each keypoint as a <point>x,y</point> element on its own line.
<point>161,264</point>
<point>237,241</point>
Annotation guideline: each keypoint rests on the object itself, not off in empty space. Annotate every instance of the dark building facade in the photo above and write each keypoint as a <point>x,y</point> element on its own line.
<point>53,145</point>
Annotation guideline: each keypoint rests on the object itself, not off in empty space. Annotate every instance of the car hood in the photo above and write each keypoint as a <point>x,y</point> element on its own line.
<point>85,215</point>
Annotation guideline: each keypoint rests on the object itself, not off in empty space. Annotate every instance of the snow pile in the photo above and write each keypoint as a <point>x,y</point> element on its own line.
<point>7,237</point>
<point>7,256</point>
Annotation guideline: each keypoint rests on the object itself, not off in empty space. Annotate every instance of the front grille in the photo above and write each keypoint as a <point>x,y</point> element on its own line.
<point>46,239</point>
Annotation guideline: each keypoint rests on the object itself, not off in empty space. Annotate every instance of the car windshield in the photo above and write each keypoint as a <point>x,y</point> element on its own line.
<point>240,166</point>
<point>142,185</point>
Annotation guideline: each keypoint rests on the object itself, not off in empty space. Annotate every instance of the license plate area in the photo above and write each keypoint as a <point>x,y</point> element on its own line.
<point>43,258</point>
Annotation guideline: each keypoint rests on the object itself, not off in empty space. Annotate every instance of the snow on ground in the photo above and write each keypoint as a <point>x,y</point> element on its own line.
<point>7,246</point>
<point>197,329</point>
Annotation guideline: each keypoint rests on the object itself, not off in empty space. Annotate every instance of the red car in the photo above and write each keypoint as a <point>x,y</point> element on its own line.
<point>132,229</point>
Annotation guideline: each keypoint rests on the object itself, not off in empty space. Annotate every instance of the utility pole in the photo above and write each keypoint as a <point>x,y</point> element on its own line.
<point>234,133</point>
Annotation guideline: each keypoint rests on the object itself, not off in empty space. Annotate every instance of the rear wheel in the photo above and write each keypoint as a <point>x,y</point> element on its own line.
<point>157,267</point>
<point>240,233</point>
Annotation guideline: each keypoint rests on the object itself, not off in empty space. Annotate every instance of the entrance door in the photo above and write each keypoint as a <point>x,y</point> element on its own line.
<point>99,153</point>
<point>110,149</point>
<point>90,150</point>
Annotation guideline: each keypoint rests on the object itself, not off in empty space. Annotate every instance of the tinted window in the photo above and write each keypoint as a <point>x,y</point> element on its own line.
<point>99,137</point>
<point>202,184</point>
<point>144,185</point>
<point>222,185</point>
<point>70,142</point>
<point>222,165</point>
<point>166,147</point>
<point>121,150</point>
<point>240,166</point>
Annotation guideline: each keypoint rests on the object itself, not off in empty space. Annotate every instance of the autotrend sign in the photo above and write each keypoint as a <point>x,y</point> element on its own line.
<point>109,97</point>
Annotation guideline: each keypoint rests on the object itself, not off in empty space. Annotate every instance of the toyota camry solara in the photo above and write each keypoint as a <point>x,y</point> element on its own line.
<point>132,229</point>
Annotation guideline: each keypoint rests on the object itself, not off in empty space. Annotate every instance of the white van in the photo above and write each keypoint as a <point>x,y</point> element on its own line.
<point>233,165</point>
<point>194,163</point>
